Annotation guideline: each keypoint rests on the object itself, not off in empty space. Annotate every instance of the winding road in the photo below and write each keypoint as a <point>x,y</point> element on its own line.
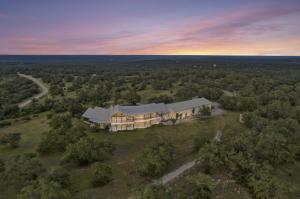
<point>43,87</point>
<point>177,172</point>
<point>185,167</point>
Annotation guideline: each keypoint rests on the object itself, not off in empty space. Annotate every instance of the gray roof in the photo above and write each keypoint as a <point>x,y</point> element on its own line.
<point>189,104</point>
<point>140,109</point>
<point>97,115</point>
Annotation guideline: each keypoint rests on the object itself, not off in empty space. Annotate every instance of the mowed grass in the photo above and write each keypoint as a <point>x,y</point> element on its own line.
<point>128,147</point>
<point>31,132</point>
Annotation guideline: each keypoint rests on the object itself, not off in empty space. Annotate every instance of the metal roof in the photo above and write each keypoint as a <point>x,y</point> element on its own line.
<point>140,109</point>
<point>189,104</point>
<point>97,115</point>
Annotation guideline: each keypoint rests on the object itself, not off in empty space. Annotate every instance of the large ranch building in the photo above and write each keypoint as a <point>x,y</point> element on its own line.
<point>121,118</point>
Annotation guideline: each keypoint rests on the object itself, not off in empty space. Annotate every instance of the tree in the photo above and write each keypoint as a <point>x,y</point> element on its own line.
<point>199,142</point>
<point>199,186</point>
<point>297,114</point>
<point>229,102</point>
<point>60,176</point>
<point>10,139</point>
<point>161,99</point>
<point>205,110</point>
<point>155,158</point>
<point>132,97</point>
<point>211,93</point>
<point>102,174</point>
<point>44,189</point>
<point>116,96</point>
<point>87,150</point>
<point>52,190</point>
<point>277,109</point>
<point>29,192</point>
<point>275,148</point>
<point>209,156</point>
<point>187,92</point>
<point>24,168</point>
<point>153,191</point>
<point>75,108</point>
<point>247,104</point>
<point>270,188</point>
<point>2,166</point>
<point>60,121</point>
<point>59,139</point>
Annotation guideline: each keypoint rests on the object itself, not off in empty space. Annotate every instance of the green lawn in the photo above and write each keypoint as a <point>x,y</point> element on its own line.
<point>128,146</point>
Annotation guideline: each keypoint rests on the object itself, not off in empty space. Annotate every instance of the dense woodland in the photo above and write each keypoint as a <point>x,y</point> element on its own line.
<point>266,94</point>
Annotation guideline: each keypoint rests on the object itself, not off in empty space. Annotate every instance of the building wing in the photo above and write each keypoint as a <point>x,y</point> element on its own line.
<point>97,115</point>
<point>189,104</point>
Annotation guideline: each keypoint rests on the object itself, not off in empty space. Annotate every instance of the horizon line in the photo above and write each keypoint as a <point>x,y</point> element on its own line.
<point>212,55</point>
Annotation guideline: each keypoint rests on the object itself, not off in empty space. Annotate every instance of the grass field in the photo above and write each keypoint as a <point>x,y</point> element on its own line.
<point>128,146</point>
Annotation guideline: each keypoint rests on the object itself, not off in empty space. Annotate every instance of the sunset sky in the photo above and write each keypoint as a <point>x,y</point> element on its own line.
<point>187,27</point>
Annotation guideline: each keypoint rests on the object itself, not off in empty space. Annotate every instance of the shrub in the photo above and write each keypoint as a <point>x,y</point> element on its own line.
<point>198,186</point>
<point>44,189</point>
<point>155,158</point>
<point>4,124</point>
<point>154,191</point>
<point>205,111</point>
<point>59,139</point>
<point>24,168</point>
<point>102,174</point>
<point>61,176</point>
<point>11,139</point>
<point>2,166</point>
<point>87,150</point>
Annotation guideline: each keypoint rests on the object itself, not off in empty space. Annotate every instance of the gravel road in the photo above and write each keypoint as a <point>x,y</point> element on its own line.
<point>44,89</point>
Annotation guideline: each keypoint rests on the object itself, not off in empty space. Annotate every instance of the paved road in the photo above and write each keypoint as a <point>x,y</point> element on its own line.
<point>44,89</point>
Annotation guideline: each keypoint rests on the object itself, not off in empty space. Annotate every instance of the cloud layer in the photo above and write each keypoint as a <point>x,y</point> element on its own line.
<point>249,30</point>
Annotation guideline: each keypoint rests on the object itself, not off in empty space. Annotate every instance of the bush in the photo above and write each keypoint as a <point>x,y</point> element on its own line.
<point>102,174</point>
<point>155,158</point>
<point>26,118</point>
<point>87,150</point>
<point>24,168</point>
<point>211,93</point>
<point>11,139</point>
<point>60,121</point>
<point>198,186</point>
<point>2,166</point>
<point>154,191</point>
<point>61,176</point>
<point>4,124</point>
<point>161,99</point>
<point>205,111</point>
<point>58,139</point>
<point>44,189</point>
